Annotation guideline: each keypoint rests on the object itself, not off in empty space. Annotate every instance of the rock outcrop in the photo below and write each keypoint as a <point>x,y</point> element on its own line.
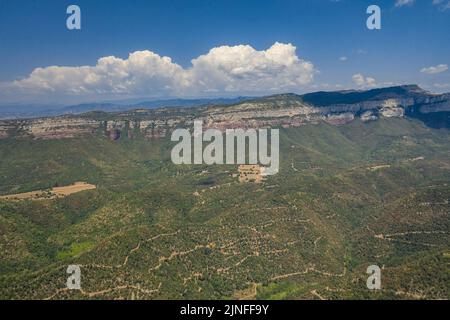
<point>57,128</point>
<point>5,127</point>
<point>286,110</point>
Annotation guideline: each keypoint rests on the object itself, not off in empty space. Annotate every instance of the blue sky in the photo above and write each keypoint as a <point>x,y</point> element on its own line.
<point>333,48</point>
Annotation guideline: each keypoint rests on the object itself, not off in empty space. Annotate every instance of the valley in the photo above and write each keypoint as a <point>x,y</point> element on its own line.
<point>353,189</point>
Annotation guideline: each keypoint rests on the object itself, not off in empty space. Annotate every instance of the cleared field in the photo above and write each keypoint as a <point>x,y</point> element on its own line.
<point>382,166</point>
<point>56,192</point>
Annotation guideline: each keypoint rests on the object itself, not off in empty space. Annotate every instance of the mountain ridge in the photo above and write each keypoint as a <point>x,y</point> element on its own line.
<point>283,110</point>
<point>37,111</point>
<point>359,184</point>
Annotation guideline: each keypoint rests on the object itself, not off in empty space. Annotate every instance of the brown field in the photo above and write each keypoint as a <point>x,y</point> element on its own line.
<point>57,192</point>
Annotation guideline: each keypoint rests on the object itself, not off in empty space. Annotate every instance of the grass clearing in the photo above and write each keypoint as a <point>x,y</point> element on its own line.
<point>56,192</point>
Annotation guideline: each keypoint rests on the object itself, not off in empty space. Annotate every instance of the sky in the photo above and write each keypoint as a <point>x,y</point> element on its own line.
<point>217,48</point>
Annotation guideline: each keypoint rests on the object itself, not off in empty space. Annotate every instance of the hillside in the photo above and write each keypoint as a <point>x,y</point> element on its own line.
<point>363,180</point>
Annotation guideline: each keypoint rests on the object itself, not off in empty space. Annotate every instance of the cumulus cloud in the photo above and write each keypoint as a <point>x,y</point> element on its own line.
<point>143,70</point>
<point>401,3</point>
<point>435,69</point>
<point>225,69</point>
<point>363,82</point>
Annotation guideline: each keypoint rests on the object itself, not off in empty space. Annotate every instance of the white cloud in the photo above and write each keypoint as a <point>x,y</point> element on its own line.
<point>363,82</point>
<point>143,70</point>
<point>361,51</point>
<point>442,85</point>
<point>436,69</point>
<point>343,58</point>
<point>442,4</point>
<point>225,69</point>
<point>401,3</point>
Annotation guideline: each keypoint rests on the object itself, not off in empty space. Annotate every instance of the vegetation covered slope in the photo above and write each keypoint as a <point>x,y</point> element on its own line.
<point>346,197</point>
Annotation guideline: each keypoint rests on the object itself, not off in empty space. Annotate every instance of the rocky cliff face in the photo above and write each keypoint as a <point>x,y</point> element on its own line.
<point>5,127</point>
<point>287,110</point>
<point>56,128</point>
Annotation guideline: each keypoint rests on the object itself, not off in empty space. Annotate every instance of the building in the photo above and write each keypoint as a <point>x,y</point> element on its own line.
<point>250,173</point>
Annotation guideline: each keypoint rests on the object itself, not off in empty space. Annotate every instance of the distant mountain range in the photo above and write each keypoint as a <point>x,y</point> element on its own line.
<point>414,101</point>
<point>35,111</point>
<point>283,110</point>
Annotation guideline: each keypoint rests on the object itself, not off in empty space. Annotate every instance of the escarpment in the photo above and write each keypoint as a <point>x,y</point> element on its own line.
<point>284,110</point>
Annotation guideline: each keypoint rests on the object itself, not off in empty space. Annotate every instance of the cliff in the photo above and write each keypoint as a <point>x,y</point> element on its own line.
<point>285,110</point>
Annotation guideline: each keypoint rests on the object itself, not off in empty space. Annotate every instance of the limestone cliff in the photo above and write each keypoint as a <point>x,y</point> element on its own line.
<point>286,110</point>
